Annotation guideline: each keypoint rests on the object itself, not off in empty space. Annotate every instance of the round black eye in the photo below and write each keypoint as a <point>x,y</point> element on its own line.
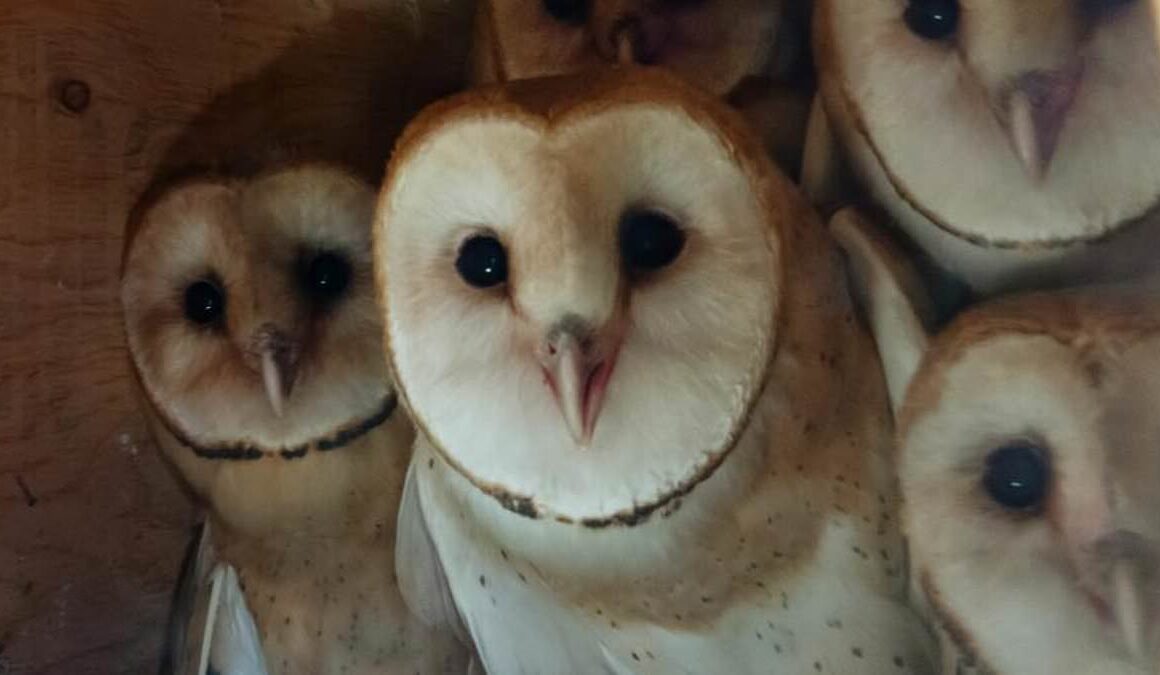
<point>932,19</point>
<point>649,239</point>
<point>567,11</point>
<point>205,302</point>
<point>1017,475</point>
<point>482,261</point>
<point>326,275</point>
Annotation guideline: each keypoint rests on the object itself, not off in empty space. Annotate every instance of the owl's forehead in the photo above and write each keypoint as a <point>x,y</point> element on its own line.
<point>500,167</point>
<point>1046,374</point>
<point>318,207</point>
<point>579,137</point>
<point>188,225</point>
<point>205,225</point>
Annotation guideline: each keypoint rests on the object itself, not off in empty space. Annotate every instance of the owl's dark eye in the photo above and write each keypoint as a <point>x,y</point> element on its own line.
<point>325,276</point>
<point>205,302</point>
<point>932,19</point>
<point>649,240</point>
<point>482,261</point>
<point>573,12</point>
<point>1017,476</point>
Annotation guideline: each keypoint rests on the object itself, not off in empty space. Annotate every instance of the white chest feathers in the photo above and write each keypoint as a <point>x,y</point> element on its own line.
<point>842,613</point>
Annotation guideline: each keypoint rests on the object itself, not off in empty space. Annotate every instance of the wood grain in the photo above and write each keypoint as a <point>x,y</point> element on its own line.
<point>95,97</point>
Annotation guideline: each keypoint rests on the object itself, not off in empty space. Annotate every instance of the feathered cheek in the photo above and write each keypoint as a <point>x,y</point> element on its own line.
<point>174,352</point>
<point>521,340</point>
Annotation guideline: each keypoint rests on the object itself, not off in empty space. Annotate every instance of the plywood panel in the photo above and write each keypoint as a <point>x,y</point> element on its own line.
<point>94,97</point>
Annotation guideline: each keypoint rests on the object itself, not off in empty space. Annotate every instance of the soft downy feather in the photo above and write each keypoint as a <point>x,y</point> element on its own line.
<point>928,130</point>
<point>432,532</point>
<point>421,579</point>
<point>215,632</point>
<point>235,647</point>
<point>767,542</point>
<point>504,601</point>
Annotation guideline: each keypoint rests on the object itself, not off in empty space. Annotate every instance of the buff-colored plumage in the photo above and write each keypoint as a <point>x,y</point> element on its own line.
<point>721,501</point>
<point>1065,584</point>
<point>752,52</point>
<point>1020,150</point>
<point>280,416</point>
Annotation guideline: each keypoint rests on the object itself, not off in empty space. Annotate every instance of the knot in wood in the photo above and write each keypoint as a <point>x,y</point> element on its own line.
<point>75,96</point>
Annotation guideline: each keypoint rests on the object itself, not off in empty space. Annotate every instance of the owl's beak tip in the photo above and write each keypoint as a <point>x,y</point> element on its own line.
<point>1036,110</point>
<point>1127,607</point>
<point>578,378</point>
<point>278,380</point>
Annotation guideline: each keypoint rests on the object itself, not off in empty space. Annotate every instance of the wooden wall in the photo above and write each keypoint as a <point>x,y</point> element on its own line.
<point>94,96</point>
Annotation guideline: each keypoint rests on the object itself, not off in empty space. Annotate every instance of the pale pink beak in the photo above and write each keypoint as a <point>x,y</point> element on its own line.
<point>277,360</point>
<point>1128,592</point>
<point>578,377</point>
<point>1115,568</point>
<point>1036,110</point>
<point>275,382</point>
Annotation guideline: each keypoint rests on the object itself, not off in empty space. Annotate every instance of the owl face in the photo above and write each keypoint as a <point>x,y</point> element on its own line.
<point>1030,456</point>
<point>1005,124</point>
<point>712,43</point>
<point>251,316</point>
<point>580,304</point>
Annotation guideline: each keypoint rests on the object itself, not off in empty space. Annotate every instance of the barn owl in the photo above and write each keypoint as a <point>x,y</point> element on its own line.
<point>1029,460</point>
<point>1016,143</point>
<point>750,51</point>
<point>251,320</point>
<point>653,435</point>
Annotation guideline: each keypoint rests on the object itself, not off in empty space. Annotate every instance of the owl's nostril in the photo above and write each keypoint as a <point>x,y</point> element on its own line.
<point>271,344</point>
<point>1035,110</point>
<point>274,355</point>
<point>1123,546</point>
<point>572,326</point>
<point>272,339</point>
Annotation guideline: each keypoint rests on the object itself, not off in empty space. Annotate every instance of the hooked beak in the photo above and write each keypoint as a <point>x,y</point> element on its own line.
<point>578,378</point>
<point>1036,109</point>
<point>1121,573</point>
<point>277,362</point>
<point>1128,606</point>
<point>277,384</point>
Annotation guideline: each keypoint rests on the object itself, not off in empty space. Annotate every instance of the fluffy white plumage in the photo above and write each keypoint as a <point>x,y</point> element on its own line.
<point>1029,455</point>
<point>726,504</point>
<point>1015,143</point>
<point>224,637</point>
<point>251,320</point>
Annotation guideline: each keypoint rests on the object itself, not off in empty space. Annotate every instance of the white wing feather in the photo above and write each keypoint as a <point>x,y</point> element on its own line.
<point>215,632</point>
<point>518,624</point>
<point>512,624</point>
<point>234,644</point>
<point>421,580</point>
